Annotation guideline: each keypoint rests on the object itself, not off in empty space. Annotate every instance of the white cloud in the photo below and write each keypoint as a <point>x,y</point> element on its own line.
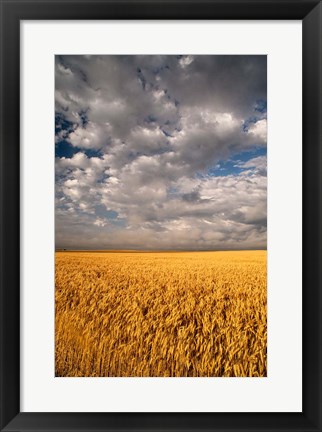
<point>257,165</point>
<point>259,130</point>
<point>186,61</point>
<point>159,123</point>
<point>91,136</point>
<point>222,211</point>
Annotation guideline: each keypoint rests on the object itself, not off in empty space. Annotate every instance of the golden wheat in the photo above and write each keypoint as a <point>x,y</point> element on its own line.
<point>161,314</point>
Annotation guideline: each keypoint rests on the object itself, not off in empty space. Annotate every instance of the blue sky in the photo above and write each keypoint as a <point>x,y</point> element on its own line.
<point>234,164</point>
<point>161,152</point>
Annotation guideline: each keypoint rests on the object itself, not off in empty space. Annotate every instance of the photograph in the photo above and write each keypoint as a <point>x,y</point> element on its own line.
<point>161,215</point>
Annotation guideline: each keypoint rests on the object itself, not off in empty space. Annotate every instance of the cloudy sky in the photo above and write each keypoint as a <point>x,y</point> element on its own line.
<point>160,152</point>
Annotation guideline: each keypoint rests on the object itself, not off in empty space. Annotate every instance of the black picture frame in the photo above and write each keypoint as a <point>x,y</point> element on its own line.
<point>12,12</point>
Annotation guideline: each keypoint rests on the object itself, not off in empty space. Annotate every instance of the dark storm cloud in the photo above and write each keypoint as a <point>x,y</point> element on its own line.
<point>155,126</point>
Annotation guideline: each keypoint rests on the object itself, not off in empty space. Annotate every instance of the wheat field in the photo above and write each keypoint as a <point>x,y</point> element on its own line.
<point>161,314</point>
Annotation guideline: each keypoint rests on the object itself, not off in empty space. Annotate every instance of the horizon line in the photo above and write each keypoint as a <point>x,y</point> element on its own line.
<point>158,250</point>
